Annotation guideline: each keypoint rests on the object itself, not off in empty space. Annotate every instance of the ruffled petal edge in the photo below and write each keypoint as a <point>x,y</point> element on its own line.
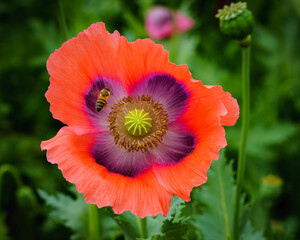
<point>142,195</point>
<point>203,118</point>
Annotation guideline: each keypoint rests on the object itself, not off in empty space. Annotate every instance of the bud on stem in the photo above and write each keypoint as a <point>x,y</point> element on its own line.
<point>237,22</point>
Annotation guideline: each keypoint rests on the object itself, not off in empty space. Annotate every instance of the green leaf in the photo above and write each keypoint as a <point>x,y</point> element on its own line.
<point>174,226</point>
<point>128,224</point>
<point>74,214</point>
<point>177,205</point>
<point>70,212</point>
<point>261,138</point>
<point>217,197</point>
<point>249,234</point>
<point>173,230</point>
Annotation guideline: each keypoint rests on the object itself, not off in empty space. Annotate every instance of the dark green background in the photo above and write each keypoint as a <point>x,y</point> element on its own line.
<point>30,31</point>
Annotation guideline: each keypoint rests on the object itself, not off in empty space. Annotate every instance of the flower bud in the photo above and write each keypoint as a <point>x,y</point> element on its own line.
<point>236,21</point>
<point>9,182</point>
<point>271,186</point>
<point>26,198</point>
<point>162,22</point>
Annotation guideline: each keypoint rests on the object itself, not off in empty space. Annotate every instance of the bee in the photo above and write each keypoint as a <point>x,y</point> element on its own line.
<point>102,99</point>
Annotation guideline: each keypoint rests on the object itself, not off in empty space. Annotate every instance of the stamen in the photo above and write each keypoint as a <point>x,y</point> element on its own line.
<point>138,124</point>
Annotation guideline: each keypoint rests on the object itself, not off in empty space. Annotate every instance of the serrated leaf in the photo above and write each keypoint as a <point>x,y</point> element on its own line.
<point>217,197</point>
<point>157,226</point>
<point>108,227</point>
<point>174,226</point>
<point>249,234</point>
<point>70,212</point>
<point>177,205</point>
<point>174,230</point>
<point>127,222</point>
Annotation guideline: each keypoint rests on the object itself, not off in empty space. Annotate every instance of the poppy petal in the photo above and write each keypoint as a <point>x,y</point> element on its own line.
<point>167,91</point>
<point>142,195</point>
<point>117,159</point>
<point>74,67</point>
<point>184,22</point>
<point>230,103</point>
<point>203,120</point>
<point>99,119</point>
<point>142,58</point>
<point>176,145</point>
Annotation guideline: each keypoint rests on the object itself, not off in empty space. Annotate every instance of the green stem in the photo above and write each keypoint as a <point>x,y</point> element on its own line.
<point>244,135</point>
<point>93,223</point>
<point>155,237</point>
<point>62,22</point>
<point>174,40</point>
<point>14,174</point>
<point>143,227</point>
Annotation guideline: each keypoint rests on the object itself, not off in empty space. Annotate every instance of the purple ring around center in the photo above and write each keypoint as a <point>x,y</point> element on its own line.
<point>177,143</point>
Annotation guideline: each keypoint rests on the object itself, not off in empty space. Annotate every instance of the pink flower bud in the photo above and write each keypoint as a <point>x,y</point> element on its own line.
<point>162,22</point>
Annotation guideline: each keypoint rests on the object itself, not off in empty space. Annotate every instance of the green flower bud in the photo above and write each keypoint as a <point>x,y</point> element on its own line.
<point>236,21</point>
<point>9,183</point>
<point>26,198</point>
<point>271,186</point>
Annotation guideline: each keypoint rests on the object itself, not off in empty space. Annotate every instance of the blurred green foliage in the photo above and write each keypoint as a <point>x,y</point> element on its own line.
<point>31,30</point>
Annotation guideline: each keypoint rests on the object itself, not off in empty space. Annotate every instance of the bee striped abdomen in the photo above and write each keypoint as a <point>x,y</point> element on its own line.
<point>101,103</point>
<point>102,99</point>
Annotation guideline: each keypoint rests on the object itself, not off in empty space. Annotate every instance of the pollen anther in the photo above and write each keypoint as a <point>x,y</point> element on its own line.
<point>138,124</point>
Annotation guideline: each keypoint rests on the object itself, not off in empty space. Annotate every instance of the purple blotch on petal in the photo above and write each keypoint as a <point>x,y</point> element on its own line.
<point>99,119</point>
<point>176,145</point>
<point>166,90</point>
<point>117,159</point>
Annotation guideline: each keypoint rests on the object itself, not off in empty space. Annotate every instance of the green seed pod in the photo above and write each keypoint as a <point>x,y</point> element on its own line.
<point>236,21</point>
<point>26,198</point>
<point>138,123</point>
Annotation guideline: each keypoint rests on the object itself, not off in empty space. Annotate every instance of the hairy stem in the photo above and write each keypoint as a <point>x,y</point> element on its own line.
<point>244,135</point>
<point>93,223</point>
<point>143,227</point>
<point>64,35</point>
<point>174,40</point>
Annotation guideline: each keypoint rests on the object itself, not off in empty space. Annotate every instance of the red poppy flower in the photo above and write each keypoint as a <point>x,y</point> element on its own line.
<point>158,134</point>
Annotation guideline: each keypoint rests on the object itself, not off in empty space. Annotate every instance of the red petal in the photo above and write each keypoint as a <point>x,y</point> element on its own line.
<point>143,57</point>
<point>230,103</point>
<point>73,68</point>
<point>202,118</point>
<point>142,195</point>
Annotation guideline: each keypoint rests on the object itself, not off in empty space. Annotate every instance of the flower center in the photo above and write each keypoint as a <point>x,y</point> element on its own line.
<point>138,123</point>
